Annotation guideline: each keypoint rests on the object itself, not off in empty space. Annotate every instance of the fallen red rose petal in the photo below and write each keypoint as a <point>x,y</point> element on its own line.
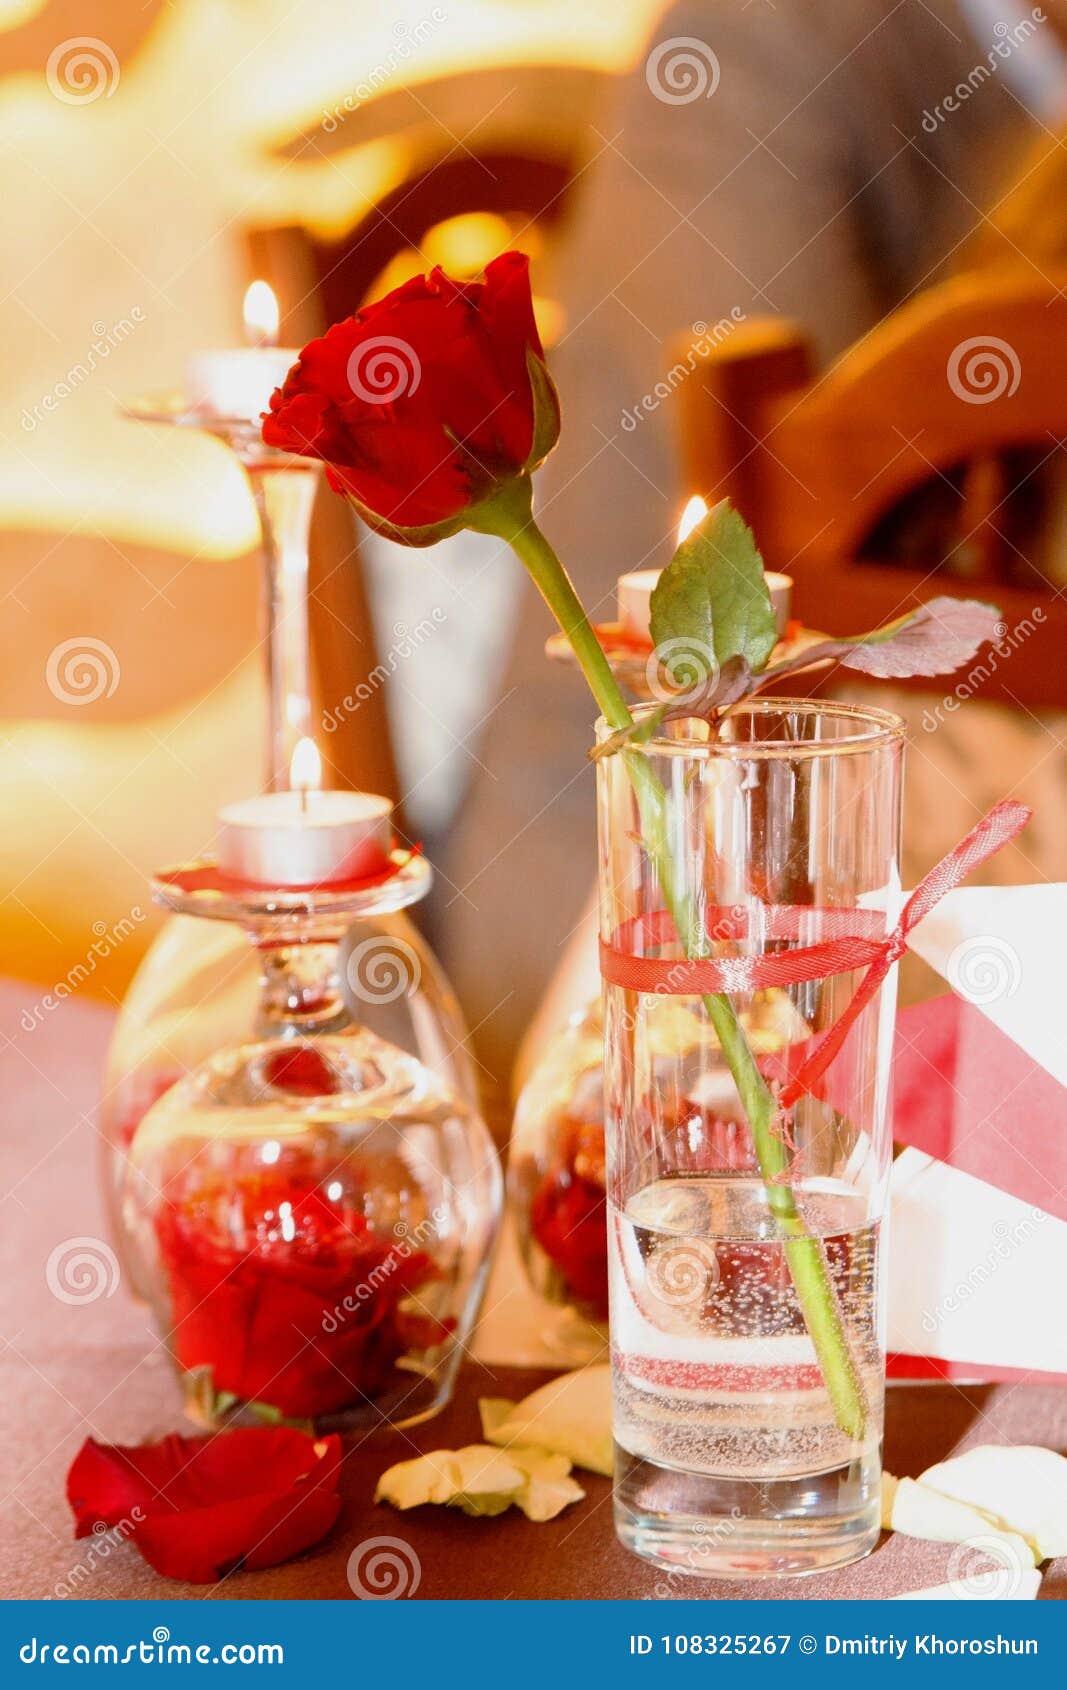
<point>197,1507</point>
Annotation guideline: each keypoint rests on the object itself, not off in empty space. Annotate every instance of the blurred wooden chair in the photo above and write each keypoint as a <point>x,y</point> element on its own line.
<point>926,460</point>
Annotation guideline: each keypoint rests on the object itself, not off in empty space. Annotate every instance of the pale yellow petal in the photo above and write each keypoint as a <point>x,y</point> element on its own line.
<point>494,1411</point>
<point>918,1511</point>
<point>571,1415</point>
<point>1022,1486</point>
<point>428,1478</point>
<point>543,1499</point>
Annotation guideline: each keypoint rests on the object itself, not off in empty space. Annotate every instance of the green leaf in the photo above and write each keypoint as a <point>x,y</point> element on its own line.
<point>712,601</point>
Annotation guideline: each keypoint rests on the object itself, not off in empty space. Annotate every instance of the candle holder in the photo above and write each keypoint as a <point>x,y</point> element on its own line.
<point>197,986</point>
<point>310,1212</point>
<point>556,1187</point>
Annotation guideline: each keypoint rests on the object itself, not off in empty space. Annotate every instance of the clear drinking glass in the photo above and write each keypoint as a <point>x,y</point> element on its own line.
<point>556,1159</point>
<point>782,825</point>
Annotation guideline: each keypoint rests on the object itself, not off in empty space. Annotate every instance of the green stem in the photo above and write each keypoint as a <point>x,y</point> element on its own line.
<point>509,516</point>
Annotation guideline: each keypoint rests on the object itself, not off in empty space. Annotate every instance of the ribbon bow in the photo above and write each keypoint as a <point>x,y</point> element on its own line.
<point>853,944</point>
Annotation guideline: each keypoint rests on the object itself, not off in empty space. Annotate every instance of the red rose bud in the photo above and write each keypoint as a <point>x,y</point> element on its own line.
<point>198,1507</point>
<point>423,404</point>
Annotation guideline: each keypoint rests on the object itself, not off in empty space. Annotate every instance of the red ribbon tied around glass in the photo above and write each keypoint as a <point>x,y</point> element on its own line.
<point>854,942</point>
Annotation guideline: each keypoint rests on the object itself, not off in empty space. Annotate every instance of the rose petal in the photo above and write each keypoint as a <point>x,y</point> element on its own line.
<point>477,1479</point>
<point>920,1512</point>
<point>1023,1486</point>
<point>483,1482</point>
<point>548,1488</point>
<point>203,1545</point>
<point>494,1412</point>
<point>280,1321</point>
<point>489,1482</point>
<point>571,1415</point>
<point>199,1506</point>
<point>428,1478</point>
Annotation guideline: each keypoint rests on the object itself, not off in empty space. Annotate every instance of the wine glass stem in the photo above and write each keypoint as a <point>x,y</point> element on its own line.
<point>284,499</point>
<point>300,991</point>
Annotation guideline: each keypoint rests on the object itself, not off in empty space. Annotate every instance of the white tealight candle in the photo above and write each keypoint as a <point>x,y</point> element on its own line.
<point>238,382</point>
<point>635,592</point>
<point>305,837</point>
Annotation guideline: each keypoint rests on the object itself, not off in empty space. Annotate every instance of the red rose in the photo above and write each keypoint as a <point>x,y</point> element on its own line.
<point>289,1297</point>
<point>568,1214</point>
<point>198,1507</point>
<point>424,402</point>
<point>568,1218</point>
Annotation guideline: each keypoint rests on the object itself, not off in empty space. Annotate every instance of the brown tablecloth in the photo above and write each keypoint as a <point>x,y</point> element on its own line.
<point>69,1370</point>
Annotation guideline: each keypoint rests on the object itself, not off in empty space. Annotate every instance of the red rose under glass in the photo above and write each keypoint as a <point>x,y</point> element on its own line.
<point>291,1299</point>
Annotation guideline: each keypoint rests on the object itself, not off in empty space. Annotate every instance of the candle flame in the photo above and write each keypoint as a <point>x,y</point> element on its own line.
<point>305,767</point>
<point>261,315</point>
<point>695,511</point>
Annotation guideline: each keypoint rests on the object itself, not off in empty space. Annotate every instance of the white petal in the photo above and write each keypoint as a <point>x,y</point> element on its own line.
<point>493,1412</point>
<point>889,1491</point>
<point>1022,1486</point>
<point>543,1499</point>
<point>918,1511</point>
<point>429,1478</point>
<point>571,1415</point>
<point>483,1481</point>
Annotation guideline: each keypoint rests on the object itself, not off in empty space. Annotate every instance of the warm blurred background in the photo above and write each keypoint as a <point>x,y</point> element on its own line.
<point>333,151</point>
<point>158,158</point>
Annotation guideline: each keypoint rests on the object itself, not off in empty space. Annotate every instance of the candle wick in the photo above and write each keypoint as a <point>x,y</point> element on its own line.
<point>303,800</point>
